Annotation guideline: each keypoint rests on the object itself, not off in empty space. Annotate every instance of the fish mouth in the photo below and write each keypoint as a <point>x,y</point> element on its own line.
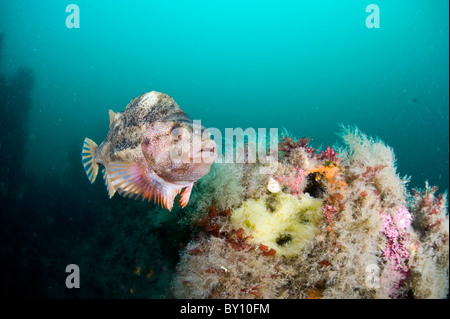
<point>206,152</point>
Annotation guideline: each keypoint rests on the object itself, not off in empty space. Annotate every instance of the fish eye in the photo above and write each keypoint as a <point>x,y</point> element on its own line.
<point>145,141</point>
<point>175,130</point>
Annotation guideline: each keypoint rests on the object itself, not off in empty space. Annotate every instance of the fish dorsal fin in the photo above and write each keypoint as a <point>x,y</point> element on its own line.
<point>112,115</point>
<point>135,180</point>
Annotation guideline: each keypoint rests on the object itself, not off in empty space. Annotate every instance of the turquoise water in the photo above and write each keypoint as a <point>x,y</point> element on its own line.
<point>305,66</point>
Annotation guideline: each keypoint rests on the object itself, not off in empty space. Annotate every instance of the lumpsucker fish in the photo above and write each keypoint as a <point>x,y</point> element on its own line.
<point>153,151</point>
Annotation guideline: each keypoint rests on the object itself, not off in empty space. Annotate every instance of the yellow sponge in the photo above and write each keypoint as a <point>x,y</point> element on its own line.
<point>280,221</point>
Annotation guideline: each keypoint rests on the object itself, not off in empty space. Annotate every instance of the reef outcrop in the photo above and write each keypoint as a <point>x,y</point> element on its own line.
<point>330,224</point>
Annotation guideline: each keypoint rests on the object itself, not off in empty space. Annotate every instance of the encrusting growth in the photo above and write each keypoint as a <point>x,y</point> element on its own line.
<point>331,224</point>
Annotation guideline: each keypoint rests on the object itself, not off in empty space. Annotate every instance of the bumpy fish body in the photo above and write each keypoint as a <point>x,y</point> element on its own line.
<point>152,151</point>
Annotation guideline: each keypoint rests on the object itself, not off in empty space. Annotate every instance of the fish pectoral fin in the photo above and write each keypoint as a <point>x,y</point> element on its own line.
<point>109,187</point>
<point>184,198</point>
<point>135,180</point>
<point>112,115</point>
<point>87,158</point>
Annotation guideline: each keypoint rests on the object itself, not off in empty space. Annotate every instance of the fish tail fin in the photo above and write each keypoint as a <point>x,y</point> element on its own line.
<point>87,158</point>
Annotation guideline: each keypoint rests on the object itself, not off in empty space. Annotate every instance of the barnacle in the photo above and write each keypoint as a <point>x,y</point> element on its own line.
<point>273,186</point>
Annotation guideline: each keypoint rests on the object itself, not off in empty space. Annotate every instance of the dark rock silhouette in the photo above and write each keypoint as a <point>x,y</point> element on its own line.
<point>15,105</point>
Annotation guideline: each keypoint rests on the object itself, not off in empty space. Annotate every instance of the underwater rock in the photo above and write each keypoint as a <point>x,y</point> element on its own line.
<point>343,226</point>
<point>15,106</point>
<point>1,45</point>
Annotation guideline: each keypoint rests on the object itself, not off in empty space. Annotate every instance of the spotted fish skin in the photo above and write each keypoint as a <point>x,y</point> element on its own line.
<point>135,152</point>
<point>126,130</point>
